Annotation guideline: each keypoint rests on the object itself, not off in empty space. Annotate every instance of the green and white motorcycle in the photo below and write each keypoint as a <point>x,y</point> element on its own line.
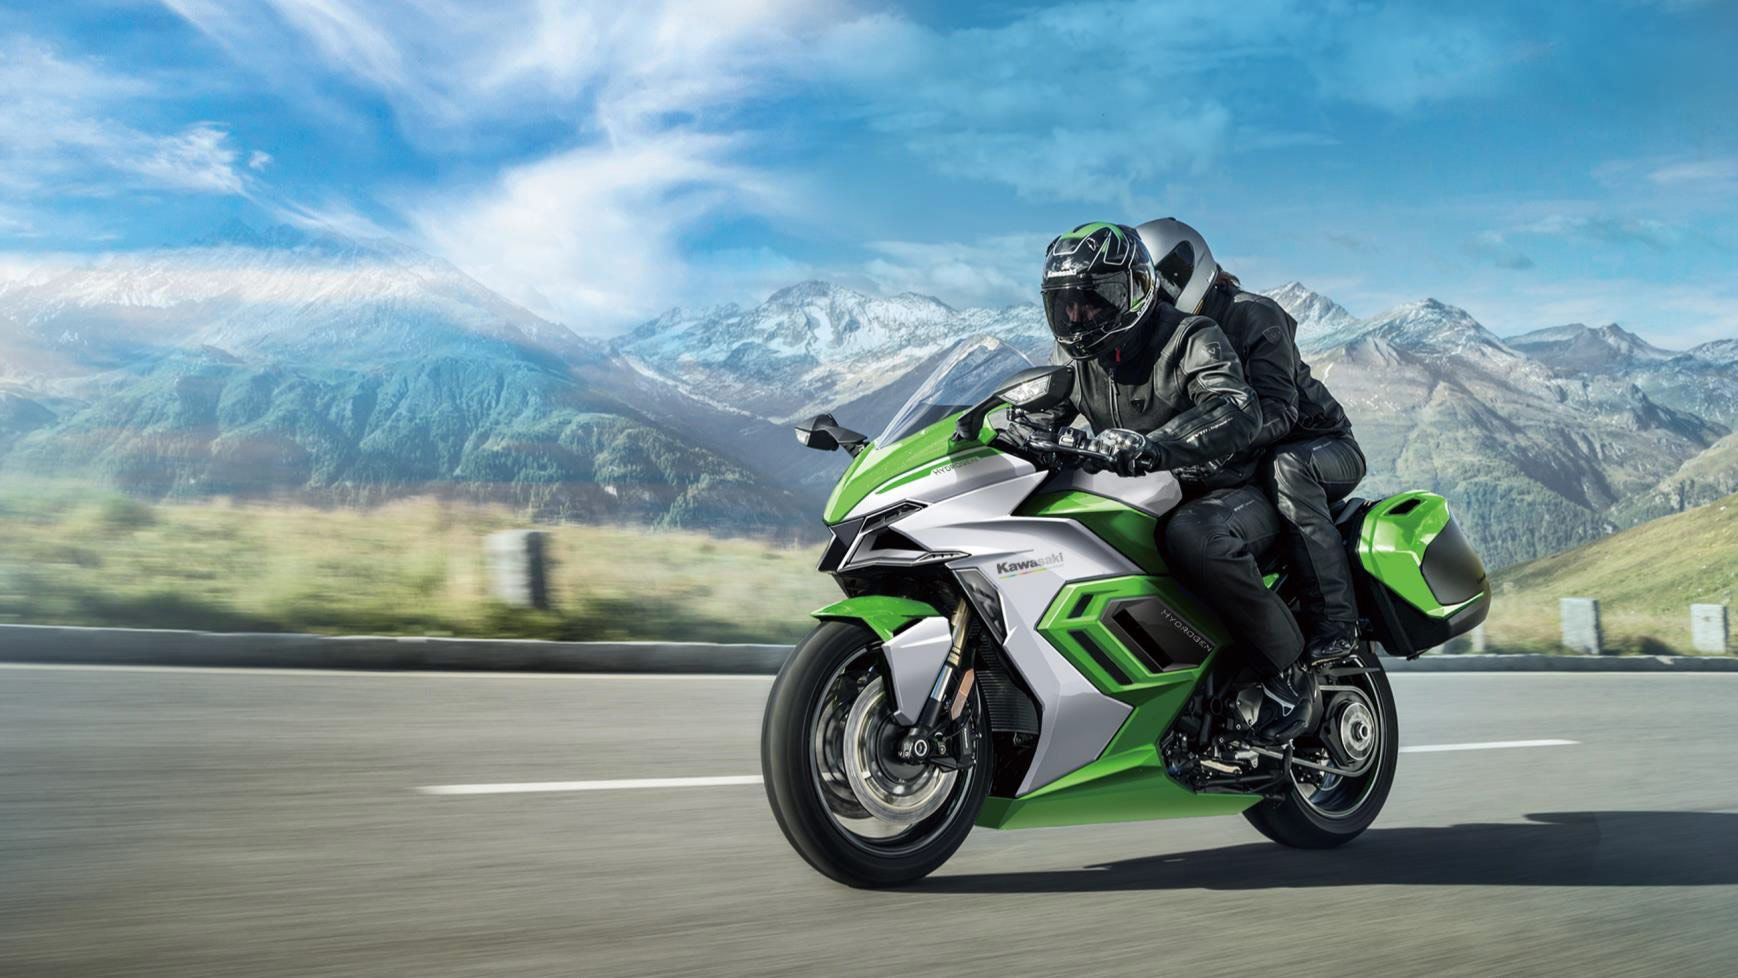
<point>1011,650</point>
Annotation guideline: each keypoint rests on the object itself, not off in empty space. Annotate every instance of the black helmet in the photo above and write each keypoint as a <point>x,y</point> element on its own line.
<point>1098,283</point>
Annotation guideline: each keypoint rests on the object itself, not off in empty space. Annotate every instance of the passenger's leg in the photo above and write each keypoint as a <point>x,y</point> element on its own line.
<point>1214,544</point>
<point>1306,477</point>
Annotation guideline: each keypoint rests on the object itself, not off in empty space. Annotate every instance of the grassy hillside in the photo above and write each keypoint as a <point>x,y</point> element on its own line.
<point>1645,579</point>
<point>72,555</point>
<point>78,556</point>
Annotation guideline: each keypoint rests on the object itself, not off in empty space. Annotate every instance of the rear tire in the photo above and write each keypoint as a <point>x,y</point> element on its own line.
<point>1314,818</point>
<point>815,814</point>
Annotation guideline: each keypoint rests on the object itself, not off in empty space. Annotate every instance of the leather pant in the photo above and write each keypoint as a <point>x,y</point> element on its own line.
<point>1305,477</point>
<point>1215,543</point>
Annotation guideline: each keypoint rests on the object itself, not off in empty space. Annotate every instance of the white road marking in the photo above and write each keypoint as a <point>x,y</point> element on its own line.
<point>531,786</point>
<point>1489,745</point>
<point>511,788</point>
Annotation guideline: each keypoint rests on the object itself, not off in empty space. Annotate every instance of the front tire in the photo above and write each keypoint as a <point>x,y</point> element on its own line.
<point>1337,810</point>
<point>850,808</point>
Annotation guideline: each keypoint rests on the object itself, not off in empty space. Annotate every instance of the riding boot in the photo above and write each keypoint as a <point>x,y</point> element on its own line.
<point>1291,705</point>
<point>1331,648</point>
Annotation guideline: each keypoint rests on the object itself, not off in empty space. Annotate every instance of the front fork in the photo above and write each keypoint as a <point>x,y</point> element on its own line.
<point>936,737</point>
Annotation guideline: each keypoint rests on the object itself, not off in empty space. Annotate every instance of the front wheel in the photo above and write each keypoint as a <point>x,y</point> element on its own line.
<point>1359,735</point>
<point>843,797</point>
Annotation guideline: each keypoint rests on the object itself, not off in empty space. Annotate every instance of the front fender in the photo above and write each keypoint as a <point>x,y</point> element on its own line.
<point>884,615</point>
<point>914,656</point>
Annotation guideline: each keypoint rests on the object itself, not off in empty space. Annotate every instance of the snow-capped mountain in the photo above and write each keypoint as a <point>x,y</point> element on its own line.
<point>1578,347</point>
<point>812,346</point>
<point>276,363</point>
<point>1428,326</point>
<point>1536,459</point>
<point>1702,381</point>
<point>1717,351</point>
<point>1316,314</point>
<point>265,362</point>
<point>276,294</point>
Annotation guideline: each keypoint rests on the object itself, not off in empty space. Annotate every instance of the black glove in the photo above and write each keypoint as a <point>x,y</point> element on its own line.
<point>1018,432</point>
<point>1131,452</point>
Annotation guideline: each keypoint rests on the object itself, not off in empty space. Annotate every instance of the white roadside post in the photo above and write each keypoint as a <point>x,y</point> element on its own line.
<point>1581,632</point>
<point>518,568</point>
<point>1708,628</point>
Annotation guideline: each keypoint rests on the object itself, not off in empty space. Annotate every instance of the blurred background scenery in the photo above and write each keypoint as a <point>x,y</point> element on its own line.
<point>299,301</point>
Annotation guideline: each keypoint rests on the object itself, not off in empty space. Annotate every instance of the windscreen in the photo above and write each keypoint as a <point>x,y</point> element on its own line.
<point>965,376</point>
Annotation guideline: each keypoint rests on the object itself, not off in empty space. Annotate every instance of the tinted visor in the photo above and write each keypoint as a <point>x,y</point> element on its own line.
<point>1082,317</point>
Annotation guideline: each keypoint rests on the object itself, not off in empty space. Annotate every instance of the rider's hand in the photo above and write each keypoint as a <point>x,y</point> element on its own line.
<point>1017,432</point>
<point>1131,452</point>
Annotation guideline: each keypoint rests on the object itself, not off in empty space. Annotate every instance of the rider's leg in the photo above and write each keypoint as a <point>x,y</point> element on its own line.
<point>1306,477</point>
<point>1214,544</point>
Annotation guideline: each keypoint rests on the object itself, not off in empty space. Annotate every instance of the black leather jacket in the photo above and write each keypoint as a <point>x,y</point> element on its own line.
<point>1180,383</point>
<point>1293,403</point>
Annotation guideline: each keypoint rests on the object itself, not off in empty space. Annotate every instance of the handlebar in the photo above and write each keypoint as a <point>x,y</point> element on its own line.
<point>1063,449</point>
<point>1069,451</point>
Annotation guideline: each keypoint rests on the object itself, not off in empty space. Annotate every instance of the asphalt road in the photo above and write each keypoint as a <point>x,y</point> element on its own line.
<point>189,823</point>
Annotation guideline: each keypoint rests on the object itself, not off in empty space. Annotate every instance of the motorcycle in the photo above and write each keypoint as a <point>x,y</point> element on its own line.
<point>1011,650</point>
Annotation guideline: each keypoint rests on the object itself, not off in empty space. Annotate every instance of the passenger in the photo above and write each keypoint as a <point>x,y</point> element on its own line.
<point>1304,455</point>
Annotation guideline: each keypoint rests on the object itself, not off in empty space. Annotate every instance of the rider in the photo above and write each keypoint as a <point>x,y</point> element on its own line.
<point>1164,389</point>
<point>1304,454</point>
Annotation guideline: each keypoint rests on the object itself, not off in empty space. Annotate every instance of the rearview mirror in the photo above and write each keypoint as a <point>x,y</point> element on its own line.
<point>825,434</point>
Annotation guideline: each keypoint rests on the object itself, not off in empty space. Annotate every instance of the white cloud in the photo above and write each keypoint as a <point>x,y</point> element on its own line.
<point>1100,101</point>
<point>592,232</point>
<point>336,217</point>
<point>61,131</point>
<point>593,236</point>
<point>1605,228</point>
<point>259,159</point>
<point>454,69</point>
<point>996,271</point>
<point>199,159</point>
<point>1718,174</point>
<point>1396,59</point>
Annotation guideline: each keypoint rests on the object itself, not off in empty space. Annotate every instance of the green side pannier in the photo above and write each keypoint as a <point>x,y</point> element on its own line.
<point>1419,582</point>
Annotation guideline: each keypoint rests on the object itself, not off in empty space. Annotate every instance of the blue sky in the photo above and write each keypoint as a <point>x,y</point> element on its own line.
<point>601,162</point>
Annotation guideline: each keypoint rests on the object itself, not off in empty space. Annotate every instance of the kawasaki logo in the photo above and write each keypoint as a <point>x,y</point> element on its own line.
<point>1014,568</point>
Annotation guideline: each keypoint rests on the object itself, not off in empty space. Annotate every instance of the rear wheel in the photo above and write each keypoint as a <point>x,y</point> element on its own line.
<point>1359,736</point>
<point>843,797</point>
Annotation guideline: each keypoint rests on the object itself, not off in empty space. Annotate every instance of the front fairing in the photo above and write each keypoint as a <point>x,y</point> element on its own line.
<point>879,470</point>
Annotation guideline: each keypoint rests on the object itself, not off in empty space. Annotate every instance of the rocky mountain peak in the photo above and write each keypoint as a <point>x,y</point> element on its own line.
<point>1717,351</point>
<point>1316,314</point>
<point>1577,347</point>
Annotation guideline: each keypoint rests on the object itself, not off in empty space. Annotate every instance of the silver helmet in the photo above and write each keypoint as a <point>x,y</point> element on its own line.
<point>1184,264</point>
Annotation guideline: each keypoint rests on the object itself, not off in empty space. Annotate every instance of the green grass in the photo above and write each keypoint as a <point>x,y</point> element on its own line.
<point>70,555</point>
<point>77,556</point>
<point>1645,578</point>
